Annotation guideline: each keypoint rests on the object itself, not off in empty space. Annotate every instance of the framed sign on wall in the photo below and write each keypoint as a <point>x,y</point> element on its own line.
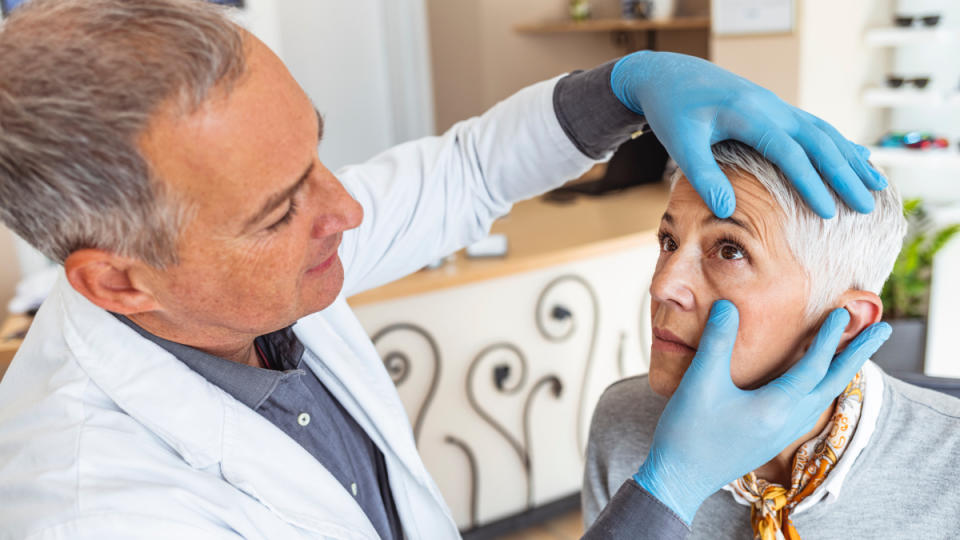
<point>733,17</point>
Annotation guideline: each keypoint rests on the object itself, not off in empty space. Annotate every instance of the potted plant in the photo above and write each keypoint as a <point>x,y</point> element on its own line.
<point>906,293</point>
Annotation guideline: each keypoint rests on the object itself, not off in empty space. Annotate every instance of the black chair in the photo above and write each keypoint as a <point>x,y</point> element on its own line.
<point>946,385</point>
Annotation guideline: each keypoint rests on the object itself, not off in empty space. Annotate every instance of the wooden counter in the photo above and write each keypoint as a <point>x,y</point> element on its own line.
<point>542,233</point>
<point>11,336</point>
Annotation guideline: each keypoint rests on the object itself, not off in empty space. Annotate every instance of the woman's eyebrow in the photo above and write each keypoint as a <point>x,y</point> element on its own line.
<point>714,220</point>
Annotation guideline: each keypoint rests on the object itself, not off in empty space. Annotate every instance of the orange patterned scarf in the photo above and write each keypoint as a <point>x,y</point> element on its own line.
<point>771,503</point>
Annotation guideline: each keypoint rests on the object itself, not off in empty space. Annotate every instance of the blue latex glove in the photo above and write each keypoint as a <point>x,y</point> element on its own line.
<point>712,432</point>
<point>692,104</point>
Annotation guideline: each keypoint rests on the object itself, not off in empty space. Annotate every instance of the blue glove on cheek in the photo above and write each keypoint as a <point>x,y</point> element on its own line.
<point>692,104</point>
<point>712,432</point>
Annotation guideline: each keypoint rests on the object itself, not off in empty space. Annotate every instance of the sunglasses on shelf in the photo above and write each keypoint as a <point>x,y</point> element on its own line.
<point>895,81</point>
<point>908,20</point>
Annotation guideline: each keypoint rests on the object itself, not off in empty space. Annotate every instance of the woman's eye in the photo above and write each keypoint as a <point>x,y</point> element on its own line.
<point>730,252</point>
<point>667,243</point>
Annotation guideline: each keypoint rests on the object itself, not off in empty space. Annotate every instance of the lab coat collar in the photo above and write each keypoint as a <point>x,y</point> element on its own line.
<point>203,424</point>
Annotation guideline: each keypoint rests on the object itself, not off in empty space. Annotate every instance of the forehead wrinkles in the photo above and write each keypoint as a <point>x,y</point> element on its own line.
<point>765,221</point>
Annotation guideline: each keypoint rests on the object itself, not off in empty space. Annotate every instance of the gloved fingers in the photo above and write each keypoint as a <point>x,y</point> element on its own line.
<point>834,167</point>
<point>856,155</point>
<point>806,374</point>
<point>701,169</point>
<point>849,362</point>
<point>712,361</point>
<point>780,148</point>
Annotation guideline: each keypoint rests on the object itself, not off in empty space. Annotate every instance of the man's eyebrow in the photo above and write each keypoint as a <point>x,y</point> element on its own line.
<point>277,199</point>
<point>667,217</point>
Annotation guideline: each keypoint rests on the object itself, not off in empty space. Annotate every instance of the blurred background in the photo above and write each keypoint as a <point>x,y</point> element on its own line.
<point>884,72</point>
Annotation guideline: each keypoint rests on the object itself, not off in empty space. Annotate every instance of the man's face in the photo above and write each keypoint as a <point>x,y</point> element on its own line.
<point>744,259</point>
<point>260,248</point>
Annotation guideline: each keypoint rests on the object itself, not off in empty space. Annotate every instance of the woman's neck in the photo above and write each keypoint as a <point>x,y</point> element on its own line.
<point>779,469</point>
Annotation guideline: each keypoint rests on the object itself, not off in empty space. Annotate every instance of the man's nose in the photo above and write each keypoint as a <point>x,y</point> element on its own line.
<point>341,211</point>
<point>673,281</point>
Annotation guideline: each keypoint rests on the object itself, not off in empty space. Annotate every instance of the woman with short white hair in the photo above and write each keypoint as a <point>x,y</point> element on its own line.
<point>881,460</point>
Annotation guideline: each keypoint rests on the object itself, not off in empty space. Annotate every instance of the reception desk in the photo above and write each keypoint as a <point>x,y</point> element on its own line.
<point>499,362</point>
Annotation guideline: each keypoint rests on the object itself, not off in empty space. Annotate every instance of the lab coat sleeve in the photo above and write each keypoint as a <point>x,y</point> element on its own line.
<point>428,198</point>
<point>123,526</point>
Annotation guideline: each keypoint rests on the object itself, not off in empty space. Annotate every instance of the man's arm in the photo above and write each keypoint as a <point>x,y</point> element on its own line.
<point>427,198</point>
<point>633,513</point>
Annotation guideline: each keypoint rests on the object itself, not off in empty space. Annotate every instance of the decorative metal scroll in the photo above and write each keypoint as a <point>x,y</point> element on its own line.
<point>508,376</point>
<point>474,476</point>
<point>399,367</point>
<point>559,312</point>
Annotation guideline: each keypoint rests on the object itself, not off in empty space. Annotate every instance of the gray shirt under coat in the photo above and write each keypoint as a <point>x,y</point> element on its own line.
<point>903,485</point>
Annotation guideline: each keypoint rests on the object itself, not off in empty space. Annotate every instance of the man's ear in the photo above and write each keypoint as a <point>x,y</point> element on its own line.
<point>865,308</point>
<point>105,279</point>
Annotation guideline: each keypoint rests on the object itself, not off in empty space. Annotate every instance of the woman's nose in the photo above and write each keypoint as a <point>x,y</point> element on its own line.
<point>341,211</point>
<point>673,281</point>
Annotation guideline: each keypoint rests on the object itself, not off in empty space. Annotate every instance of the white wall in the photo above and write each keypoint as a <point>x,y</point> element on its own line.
<point>365,66</point>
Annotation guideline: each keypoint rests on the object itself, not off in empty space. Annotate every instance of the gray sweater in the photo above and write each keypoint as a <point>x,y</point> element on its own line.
<point>904,485</point>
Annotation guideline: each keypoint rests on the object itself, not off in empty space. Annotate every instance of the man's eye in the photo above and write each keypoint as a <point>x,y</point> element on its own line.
<point>731,252</point>
<point>667,243</point>
<point>286,217</point>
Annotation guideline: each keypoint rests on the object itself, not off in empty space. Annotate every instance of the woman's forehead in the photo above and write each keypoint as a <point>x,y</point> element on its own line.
<point>756,210</point>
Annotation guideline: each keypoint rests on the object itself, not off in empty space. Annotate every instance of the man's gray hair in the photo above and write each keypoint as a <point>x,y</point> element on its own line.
<point>849,251</point>
<point>79,83</point>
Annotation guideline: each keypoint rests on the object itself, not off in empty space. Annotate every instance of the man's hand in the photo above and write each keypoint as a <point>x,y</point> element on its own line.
<point>712,432</point>
<point>692,104</point>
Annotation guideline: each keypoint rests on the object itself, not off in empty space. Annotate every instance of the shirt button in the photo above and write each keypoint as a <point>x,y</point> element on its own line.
<point>353,487</point>
<point>303,419</point>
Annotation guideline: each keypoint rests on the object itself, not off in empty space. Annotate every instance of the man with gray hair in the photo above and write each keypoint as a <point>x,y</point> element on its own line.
<point>869,465</point>
<point>196,371</point>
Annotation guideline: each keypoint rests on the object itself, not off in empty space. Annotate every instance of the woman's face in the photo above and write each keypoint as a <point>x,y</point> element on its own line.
<point>744,259</point>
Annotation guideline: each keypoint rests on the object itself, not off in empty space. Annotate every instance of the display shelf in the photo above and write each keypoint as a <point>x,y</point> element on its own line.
<point>614,25</point>
<point>908,97</point>
<point>940,159</point>
<point>893,37</point>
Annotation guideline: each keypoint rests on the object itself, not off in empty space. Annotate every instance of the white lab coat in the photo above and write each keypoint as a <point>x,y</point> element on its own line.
<point>105,435</point>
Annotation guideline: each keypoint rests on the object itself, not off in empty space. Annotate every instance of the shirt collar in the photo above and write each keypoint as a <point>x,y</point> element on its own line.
<point>247,384</point>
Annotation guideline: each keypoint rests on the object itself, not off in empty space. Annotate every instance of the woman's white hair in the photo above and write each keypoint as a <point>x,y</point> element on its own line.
<point>849,251</point>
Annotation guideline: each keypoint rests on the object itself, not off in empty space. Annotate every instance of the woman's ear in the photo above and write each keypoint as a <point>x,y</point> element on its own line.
<point>865,308</point>
<point>104,279</point>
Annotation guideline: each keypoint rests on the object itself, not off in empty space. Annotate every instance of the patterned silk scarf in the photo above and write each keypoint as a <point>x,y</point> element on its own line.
<point>771,503</point>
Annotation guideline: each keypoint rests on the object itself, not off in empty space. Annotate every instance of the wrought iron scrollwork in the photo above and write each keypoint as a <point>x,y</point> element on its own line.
<point>398,365</point>
<point>474,475</point>
<point>512,364</point>
<point>509,377</point>
<point>559,313</point>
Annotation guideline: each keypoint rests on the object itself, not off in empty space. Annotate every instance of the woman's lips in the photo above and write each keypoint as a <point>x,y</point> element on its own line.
<point>667,341</point>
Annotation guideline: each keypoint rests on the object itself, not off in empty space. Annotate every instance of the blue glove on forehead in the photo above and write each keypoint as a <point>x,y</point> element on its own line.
<point>692,104</point>
<point>711,432</point>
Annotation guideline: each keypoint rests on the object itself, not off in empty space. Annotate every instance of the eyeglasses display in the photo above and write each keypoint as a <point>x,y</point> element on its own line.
<point>896,81</point>
<point>915,140</point>
<point>908,20</point>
